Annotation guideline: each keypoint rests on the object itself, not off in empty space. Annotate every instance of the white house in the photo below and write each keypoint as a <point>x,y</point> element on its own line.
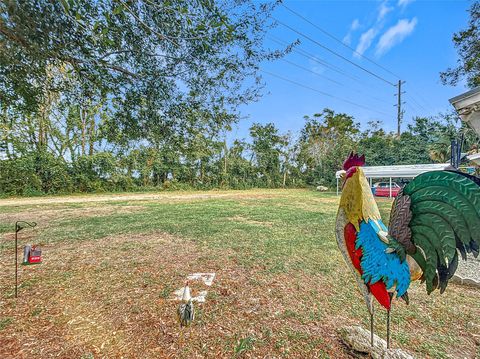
<point>397,171</point>
<point>467,106</point>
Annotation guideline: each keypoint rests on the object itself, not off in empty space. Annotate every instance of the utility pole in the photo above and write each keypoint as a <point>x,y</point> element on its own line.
<point>399,106</point>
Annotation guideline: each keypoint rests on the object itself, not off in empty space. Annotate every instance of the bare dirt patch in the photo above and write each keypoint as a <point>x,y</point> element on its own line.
<point>164,196</point>
<point>314,204</point>
<point>47,216</point>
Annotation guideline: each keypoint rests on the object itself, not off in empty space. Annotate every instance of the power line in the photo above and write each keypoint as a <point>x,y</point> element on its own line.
<point>336,82</point>
<point>358,53</point>
<point>422,99</point>
<point>334,52</point>
<point>311,71</point>
<point>322,92</point>
<point>416,104</point>
<point>338,40</point>
<point>314,58</point>
<point>414,111</point>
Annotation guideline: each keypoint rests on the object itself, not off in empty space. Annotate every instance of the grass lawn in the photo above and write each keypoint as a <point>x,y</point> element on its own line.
<point>281,287</point>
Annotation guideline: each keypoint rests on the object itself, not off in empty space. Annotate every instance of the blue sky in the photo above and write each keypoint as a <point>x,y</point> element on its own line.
<point>410,38</point>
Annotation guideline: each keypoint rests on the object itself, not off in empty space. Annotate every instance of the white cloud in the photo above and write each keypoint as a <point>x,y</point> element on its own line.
<point>347,40</point>
<point>365,41</point>
<point>368,36</point>
<point>355,25</point>
<point>395,35</point>
<point>348,37</point>
<point>404,3</point>
<point>316,67</point>
<point>384,10</point>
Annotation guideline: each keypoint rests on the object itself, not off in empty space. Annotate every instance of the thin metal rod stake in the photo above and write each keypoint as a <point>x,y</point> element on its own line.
<point>19,225</point>
<point>16,262</point>
<point>388,329</point>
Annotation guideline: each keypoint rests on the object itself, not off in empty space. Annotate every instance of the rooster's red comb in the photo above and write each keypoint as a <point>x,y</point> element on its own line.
<point>353,160</point>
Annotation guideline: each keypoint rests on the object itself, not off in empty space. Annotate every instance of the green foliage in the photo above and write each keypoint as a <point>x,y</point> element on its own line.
<point>244,345</point>
<point>52,172</point>
<point>116,95</point>
<point>204,160</point>
<point>95,173</point>
<point>136,53</point>
<point>445,215</point>
<point>325,141</point>
<point>19,176</point>
<point>266,150</point>
<point>121,96</point>
<point>466,42</point>
<point>35,173</point>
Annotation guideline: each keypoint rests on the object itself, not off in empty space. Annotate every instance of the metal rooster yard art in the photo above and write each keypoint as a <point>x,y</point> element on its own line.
<point>186,311</point>
<point>434,217</point>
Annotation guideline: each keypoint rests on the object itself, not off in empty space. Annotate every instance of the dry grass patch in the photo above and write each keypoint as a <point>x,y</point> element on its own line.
<point>281,288</point>
<point>245,220</point>
<point>45,216</point>
<point>112,298</point>
<point>142,196</point>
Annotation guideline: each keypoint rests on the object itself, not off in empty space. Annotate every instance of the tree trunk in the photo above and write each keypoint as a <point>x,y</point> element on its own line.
<point>83,130</point>
<point>7,129</point>
<point>225,156</point>
<point>70,143</point>
<point>41,131</point>
<point>91,135</point>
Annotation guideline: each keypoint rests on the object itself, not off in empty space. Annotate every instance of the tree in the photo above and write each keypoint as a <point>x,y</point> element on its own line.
<point>156,54</point>
<point>325,141</point>
<point>266,148</point>
<point>241,173</point>
<point>466,42</point>
<point>288,158</point>
<point>78,77</point>
<point>378,146</point>
<point>149,63</point>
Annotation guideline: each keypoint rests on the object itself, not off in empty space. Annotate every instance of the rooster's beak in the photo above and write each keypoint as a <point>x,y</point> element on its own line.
<point>343,178</point>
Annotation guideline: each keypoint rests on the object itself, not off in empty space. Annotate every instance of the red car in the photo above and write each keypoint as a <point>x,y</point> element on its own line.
<point>382,189</point>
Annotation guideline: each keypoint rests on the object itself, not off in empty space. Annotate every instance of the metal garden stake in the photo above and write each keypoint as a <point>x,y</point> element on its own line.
<point>19,225</point>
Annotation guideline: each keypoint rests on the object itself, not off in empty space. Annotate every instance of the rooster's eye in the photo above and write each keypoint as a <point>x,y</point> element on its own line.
<point>350,172</point>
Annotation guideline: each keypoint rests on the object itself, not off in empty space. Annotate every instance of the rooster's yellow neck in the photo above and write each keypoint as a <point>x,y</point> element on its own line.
<point>357,200</point>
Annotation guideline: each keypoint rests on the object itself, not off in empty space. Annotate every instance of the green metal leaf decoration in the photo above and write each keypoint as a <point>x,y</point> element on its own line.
<point>444,242</point>
<point>442,210</point>
<point>450,180</point>
<point>429,255</point>
<point>455,200</point>
<point>447,212</point>
<point>445,273</point>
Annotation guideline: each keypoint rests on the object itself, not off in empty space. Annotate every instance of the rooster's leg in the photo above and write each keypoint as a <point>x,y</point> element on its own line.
<point>371,328</point>
<point>388,329</point>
